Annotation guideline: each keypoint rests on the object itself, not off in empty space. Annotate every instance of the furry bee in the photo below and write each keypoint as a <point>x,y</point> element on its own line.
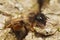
<point>21,26</point>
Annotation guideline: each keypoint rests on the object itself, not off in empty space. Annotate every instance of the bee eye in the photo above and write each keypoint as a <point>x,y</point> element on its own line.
<point>40,17</point>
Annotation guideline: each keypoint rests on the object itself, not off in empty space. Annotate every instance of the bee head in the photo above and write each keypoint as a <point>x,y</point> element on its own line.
<point>40,17</point>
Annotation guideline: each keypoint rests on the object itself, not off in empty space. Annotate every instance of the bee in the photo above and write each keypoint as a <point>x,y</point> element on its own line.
<point>21,26</point>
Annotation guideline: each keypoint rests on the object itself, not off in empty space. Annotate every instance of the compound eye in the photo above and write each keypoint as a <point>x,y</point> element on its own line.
<point>41,18</point>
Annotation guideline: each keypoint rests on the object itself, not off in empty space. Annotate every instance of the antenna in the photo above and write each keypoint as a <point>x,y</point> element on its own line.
<point>40,2</point>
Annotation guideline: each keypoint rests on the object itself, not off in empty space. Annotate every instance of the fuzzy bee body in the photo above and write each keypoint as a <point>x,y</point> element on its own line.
<point>21,26</point>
